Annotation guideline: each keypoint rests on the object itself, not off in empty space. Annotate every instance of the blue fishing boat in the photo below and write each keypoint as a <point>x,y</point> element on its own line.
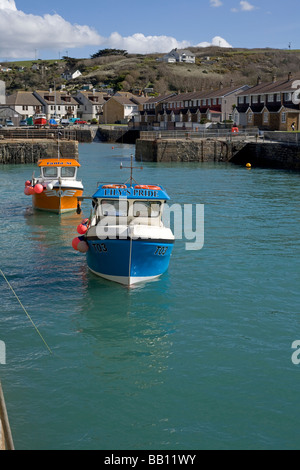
<point>124,239</point>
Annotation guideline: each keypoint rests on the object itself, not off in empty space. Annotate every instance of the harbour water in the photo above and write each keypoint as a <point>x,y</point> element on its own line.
<point>199,359</point>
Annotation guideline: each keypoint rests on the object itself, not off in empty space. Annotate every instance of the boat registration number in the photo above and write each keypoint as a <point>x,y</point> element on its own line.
<point>99,248</point>
<point>161,250</point>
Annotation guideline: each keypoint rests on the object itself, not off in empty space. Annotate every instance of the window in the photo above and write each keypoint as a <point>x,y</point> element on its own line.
<point>266,118</point>
<point>50,172</point>
<point>278,97</point>
<point>287,96</point>
<point>255,99</point>
<point>67,172</point>
<point>146,209</point>
<point>113,208</point>
<point>262,98</point>
<point>214,101</point>
<point>250,117</point>
<point>271,98</point>
<point>283,118</point>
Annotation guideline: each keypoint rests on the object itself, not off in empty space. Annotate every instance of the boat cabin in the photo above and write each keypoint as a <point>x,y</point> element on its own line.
<point>125,204</point>
<point>58,168</point>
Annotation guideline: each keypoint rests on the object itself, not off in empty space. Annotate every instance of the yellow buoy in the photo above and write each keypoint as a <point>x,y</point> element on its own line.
<point>248,165</point>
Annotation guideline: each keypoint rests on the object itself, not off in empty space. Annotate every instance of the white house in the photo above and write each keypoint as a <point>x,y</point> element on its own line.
<point>90,104</point>
<point>71,75</point>
<point>24,103</point>
<point>179,55</point>
<point>57,104</point>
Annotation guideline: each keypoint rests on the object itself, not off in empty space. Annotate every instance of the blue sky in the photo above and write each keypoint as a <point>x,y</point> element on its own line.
<point>35,29</point>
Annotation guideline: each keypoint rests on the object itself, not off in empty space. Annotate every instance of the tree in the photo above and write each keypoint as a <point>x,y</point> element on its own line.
<point>105,52</point>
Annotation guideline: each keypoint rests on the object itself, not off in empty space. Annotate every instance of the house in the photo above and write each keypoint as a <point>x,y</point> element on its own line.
<point>71,75</point>
<point>122,108</point>
<point>148,115</point>
<point>179,55</point>
<point>215,104</point>
<point>24,103</point>
<point>90,104</point>
<point>57,104</point>
<point>271,106</point>
<point>2,92</point>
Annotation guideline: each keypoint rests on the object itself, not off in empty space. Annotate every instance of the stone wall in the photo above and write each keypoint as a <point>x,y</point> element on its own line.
<point>25,151</point>
<point>263,154</point>
<point>269,155</point>
<point>185,150</point>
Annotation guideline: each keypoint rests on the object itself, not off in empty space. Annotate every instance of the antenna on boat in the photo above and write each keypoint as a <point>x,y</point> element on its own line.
<point>131,167</point>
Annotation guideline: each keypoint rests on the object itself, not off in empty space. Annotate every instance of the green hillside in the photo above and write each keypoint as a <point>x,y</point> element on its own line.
<point>130,72</point>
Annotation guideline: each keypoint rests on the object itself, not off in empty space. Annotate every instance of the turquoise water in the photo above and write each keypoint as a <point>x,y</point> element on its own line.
<point>200,359</point>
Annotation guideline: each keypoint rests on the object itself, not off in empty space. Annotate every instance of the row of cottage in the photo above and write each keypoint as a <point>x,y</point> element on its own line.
<point>271,105</point>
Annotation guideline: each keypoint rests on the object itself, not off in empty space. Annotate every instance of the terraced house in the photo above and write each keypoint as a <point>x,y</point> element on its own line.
<point>189,110</point>
<point>57,104</point>
<point>270,106</point>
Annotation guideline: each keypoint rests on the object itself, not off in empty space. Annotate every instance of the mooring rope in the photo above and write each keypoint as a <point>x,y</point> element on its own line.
<point>28,316</point>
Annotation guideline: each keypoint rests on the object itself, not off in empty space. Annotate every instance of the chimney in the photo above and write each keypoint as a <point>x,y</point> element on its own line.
<point>231,83</point>
<point>274,78</point>
<point>221,86</point>
<point>289,76</point>
<point>258,81</point>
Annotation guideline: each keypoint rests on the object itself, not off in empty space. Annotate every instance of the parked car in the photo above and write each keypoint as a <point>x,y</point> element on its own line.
<point>81,122</point>
<point>23,122</point>
<point>9,123</point>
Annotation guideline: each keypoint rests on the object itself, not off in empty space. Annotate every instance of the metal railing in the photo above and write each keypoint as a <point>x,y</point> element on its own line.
<point>32,134</point>
<point>6,440</point>
<point>198,134</point>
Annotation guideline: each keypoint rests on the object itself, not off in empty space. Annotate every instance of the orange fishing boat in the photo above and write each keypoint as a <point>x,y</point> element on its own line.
<point>57,188</point>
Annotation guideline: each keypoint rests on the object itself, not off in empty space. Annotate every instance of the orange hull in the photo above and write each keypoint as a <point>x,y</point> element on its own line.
<point>57,200</point>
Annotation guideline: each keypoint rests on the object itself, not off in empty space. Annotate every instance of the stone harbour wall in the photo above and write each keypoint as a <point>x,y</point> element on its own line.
<point>258,153</point>
<point>25,151</point>
<point>200,150</point>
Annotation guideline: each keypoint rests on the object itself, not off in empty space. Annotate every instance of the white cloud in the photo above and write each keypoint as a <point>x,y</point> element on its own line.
<point>216,41</point>
<point>216,3</point>
<point>140,44</point>
<point>21,33</point>
<point>244,6</point>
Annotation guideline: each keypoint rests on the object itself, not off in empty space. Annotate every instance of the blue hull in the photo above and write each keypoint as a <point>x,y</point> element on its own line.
<point>129,261</point>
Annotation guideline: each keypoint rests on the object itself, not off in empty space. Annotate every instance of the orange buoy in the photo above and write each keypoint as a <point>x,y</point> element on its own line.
<point>75,243</point>
<point>38,188</point>
<point>82,229</point>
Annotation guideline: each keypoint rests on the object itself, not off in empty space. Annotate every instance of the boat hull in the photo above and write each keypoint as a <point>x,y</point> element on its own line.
<point>129,261</point>
<point>57,200</point>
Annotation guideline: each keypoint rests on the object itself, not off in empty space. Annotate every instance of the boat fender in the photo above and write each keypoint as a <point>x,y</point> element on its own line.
<point>82,229</point>
<point>83,247</point>
<point>38,188</point>
<point>143,186</point>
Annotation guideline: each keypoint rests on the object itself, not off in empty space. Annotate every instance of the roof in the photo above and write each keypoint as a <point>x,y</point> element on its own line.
<point>58,97</point>
<point>22,98</point>
<point>61,162</point>
<point>196,95</point>
<point>276,86</point>
<point>142,192</point>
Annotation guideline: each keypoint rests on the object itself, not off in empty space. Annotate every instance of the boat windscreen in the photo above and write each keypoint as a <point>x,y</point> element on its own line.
<point>50,172</point>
